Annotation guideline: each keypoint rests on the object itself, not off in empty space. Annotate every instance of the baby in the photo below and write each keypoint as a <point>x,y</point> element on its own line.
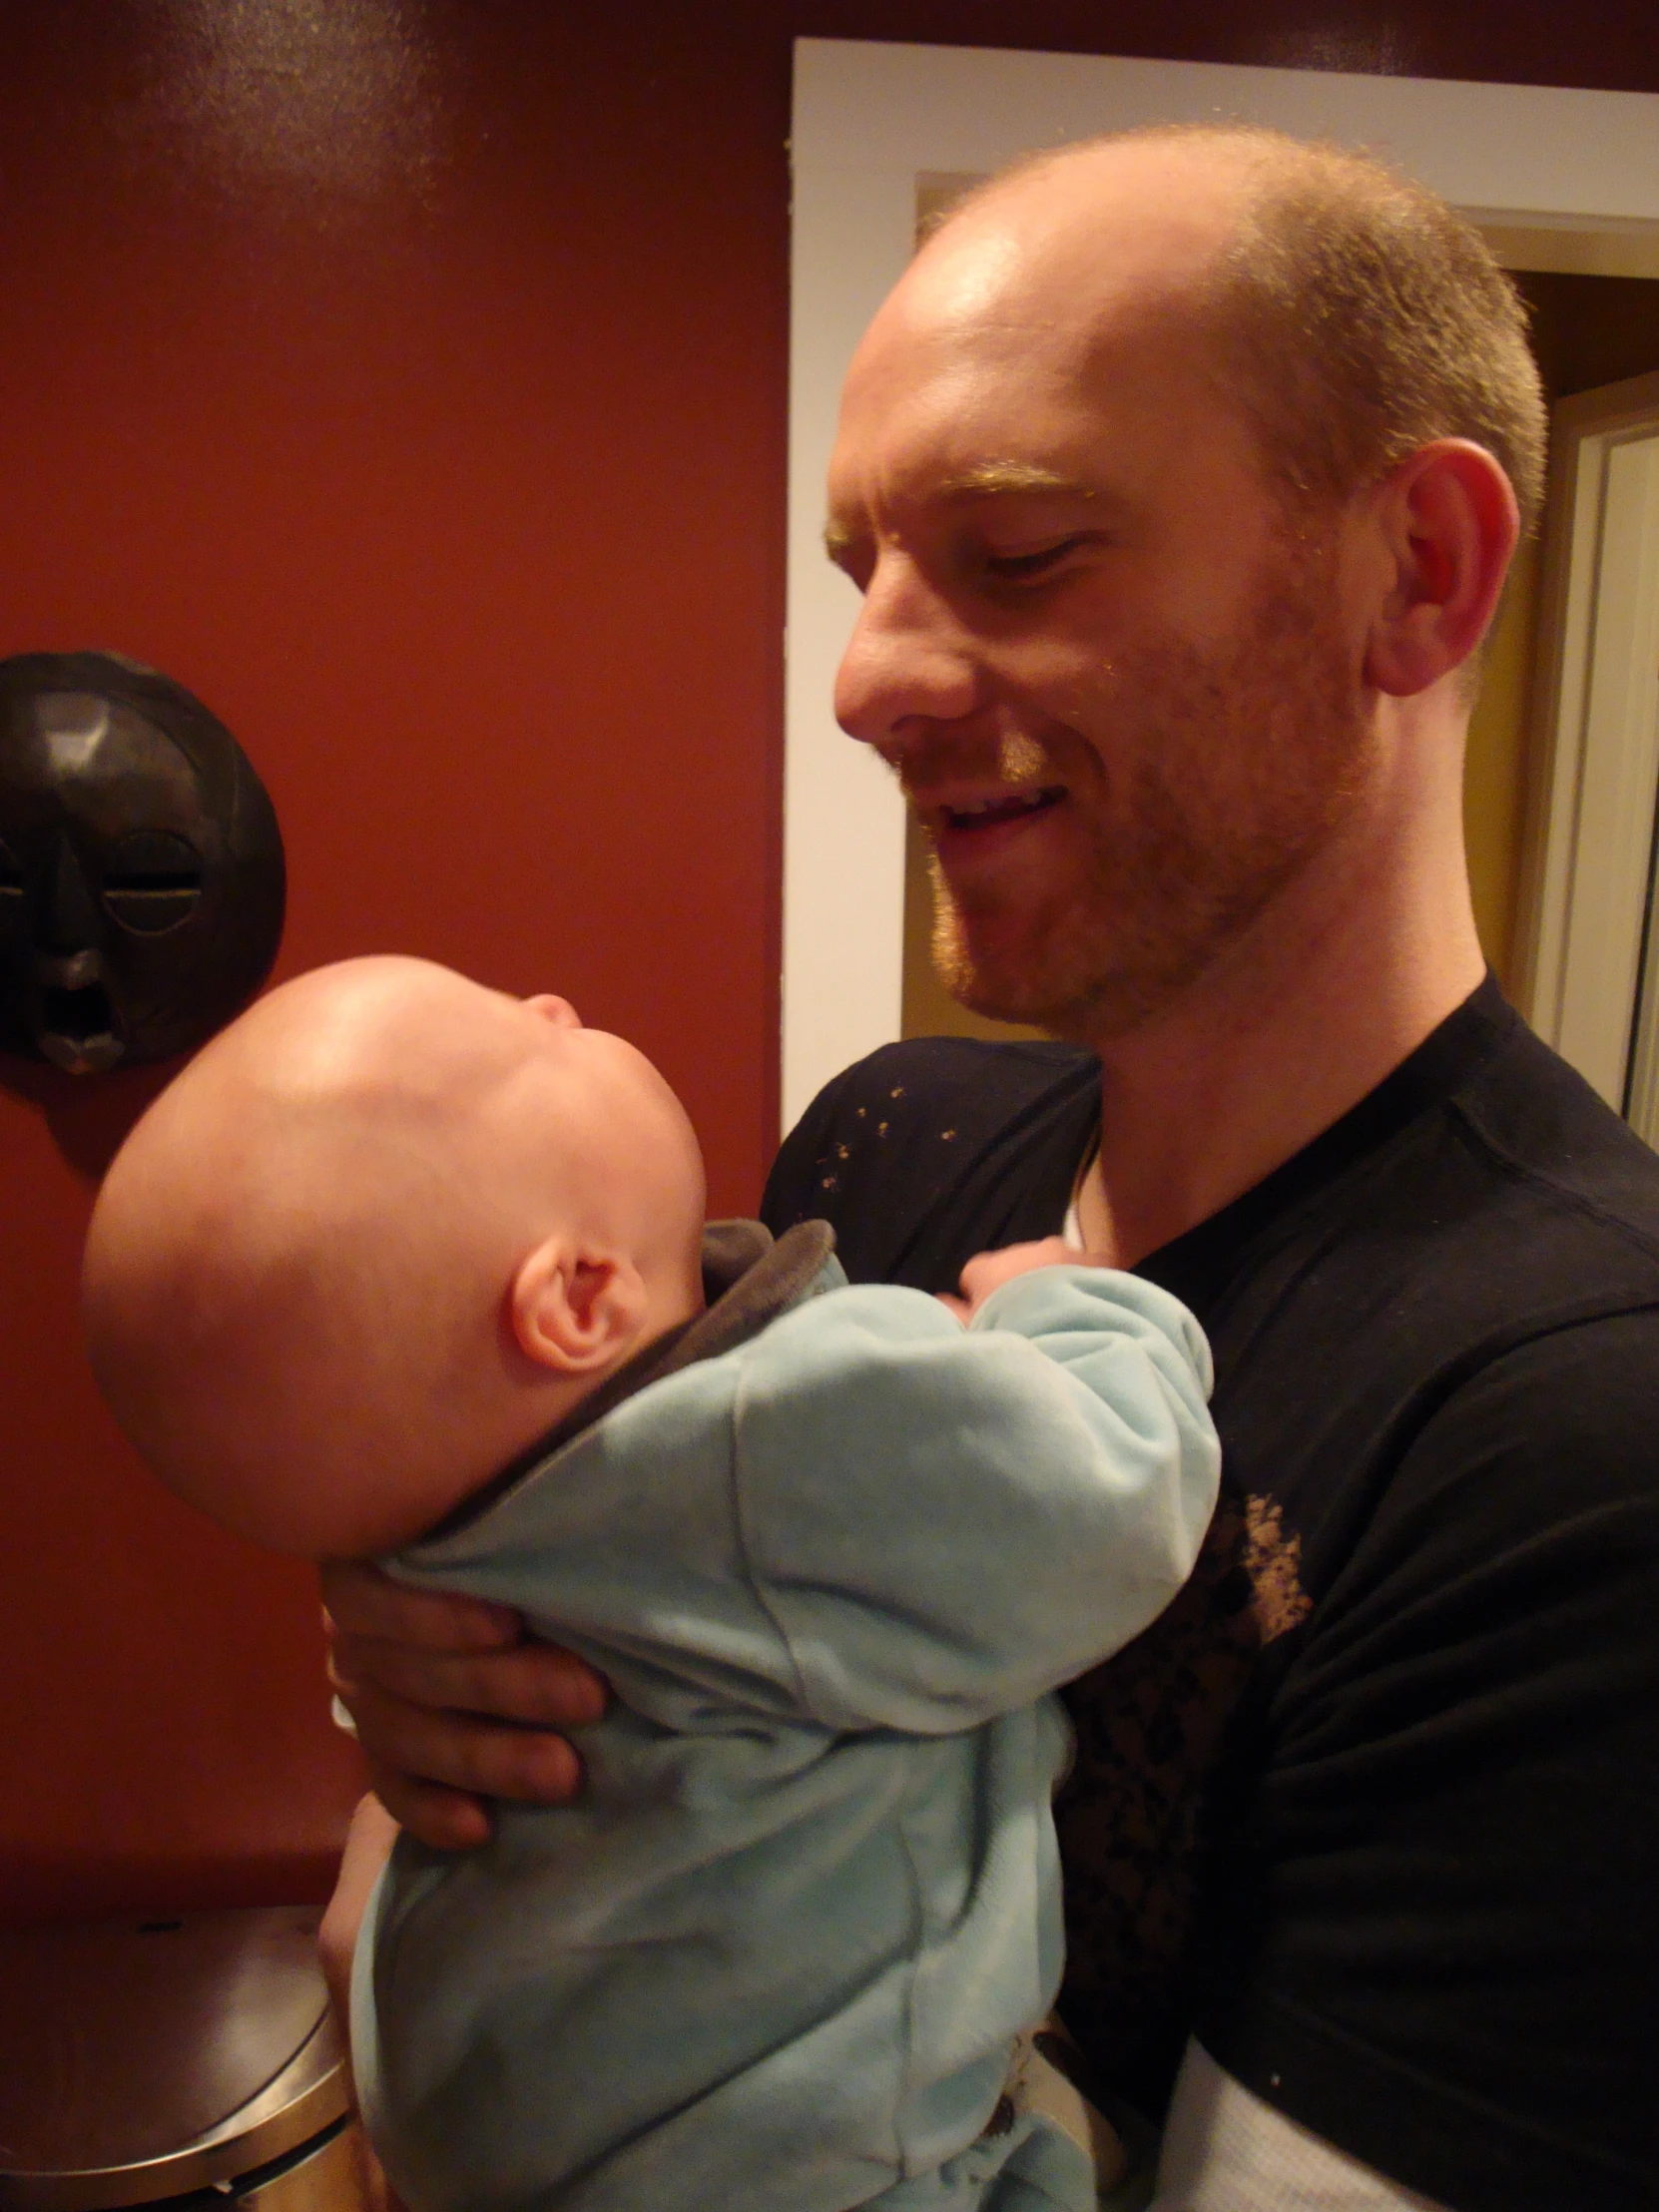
<point>402,1268</point>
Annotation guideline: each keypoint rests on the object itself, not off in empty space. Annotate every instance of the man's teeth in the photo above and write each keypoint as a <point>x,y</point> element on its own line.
<point>1003,808</point>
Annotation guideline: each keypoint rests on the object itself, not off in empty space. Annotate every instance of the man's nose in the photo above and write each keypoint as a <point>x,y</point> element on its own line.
<point>908,665</point>
<point>67,918</point>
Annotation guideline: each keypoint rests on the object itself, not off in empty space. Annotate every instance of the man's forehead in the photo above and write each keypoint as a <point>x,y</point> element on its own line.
<point>1052,277</point>
<point>960,425</point>
<point>1097,230</point>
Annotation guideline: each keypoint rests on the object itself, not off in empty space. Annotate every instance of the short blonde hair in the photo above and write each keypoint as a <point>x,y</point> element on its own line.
<point>1367,318</point>
<point>1358,317</point>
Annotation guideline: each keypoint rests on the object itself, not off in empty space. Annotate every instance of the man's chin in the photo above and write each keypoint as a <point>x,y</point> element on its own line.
<point>1002,981</point>
<point>1060,979</point>
<point>1096,1012</point>
<point>1001,996</point>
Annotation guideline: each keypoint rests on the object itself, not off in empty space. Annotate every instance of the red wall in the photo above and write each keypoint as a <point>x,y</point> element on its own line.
<point>412,387</point>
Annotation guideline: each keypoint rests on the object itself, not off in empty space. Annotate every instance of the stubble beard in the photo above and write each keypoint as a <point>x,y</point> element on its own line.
<point>1224,774</point>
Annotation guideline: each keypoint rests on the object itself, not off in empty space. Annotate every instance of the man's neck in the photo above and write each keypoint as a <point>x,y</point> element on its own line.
<point>1338,982</point>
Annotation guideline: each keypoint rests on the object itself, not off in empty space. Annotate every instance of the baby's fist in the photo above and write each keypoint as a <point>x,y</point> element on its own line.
<point>991,1269</point>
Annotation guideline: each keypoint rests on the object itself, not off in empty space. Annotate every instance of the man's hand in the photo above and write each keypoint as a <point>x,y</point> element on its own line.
<point>991,1269</point>
<point>453,1703</point>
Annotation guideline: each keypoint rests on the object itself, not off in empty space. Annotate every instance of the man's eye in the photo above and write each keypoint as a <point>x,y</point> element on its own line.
<point>1017,568</point>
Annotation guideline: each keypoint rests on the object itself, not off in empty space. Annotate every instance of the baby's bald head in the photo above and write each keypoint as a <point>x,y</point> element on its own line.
<point>380,1234</point>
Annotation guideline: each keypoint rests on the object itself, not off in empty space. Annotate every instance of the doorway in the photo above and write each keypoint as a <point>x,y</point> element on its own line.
<point>1587,960</point>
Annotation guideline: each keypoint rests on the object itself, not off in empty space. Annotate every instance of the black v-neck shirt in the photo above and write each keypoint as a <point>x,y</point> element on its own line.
<point>1373,1808</point>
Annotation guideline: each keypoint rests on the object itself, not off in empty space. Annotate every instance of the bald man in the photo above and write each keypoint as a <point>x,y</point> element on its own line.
<point>1180,475</point>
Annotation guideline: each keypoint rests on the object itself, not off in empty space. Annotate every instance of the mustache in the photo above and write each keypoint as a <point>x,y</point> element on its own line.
<point>1014,759</point>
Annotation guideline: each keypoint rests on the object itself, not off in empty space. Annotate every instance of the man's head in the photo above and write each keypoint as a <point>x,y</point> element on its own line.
<point>1175,474</point>
<point>380,1234</point>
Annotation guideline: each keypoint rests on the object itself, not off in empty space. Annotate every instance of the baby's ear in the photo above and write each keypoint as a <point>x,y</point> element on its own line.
<point>575,1311</point>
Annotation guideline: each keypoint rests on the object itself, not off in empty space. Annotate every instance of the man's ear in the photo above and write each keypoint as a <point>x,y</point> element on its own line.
<point>1449,521</point>
<point>575,1311</point>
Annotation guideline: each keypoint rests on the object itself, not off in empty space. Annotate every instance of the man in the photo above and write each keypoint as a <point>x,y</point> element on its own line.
<point>1180,474</point>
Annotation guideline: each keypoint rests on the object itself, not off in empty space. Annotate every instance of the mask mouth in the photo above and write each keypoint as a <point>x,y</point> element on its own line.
<point>76,1026</point>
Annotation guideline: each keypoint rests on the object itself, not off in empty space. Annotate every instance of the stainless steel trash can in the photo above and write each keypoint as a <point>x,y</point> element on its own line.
<point>177,2061</point>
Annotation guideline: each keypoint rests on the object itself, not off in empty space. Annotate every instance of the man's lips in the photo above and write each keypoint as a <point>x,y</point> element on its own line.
<point>965,826</point>
<point>989,813</point>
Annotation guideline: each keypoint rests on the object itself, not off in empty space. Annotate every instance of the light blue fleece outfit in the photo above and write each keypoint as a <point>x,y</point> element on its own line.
<point>774,1958</point>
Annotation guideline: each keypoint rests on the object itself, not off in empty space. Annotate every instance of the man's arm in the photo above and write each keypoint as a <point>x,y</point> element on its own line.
<point>456,1705</point>
<point>452,1702</point>
<point>942,1524</point>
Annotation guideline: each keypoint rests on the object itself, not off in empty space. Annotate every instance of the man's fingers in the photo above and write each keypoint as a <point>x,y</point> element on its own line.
<point>535,1683</point>
<point>361,1601</point>
<point>448,1820</point>
<point>435,1686</point>
<point>463,1751</point>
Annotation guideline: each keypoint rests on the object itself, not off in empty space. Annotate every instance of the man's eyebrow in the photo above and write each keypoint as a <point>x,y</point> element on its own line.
<point>982,480</point>
<point>987,479</point>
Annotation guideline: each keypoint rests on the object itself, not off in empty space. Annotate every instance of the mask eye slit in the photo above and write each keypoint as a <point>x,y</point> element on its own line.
<point>152,883</point>
<point>11,889</point>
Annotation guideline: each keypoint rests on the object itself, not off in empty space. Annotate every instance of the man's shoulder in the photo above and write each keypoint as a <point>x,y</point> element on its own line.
<point>1527,1206</point>
<point>1555,1278</point>
<point>1508,1201</point>
<point>927,1151</point>
<point>1469,1312</point>
<point>1563,1151</point>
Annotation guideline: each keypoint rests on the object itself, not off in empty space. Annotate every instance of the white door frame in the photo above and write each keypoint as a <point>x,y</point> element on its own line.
<point>870,119</point>
<point>1595,728</point>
